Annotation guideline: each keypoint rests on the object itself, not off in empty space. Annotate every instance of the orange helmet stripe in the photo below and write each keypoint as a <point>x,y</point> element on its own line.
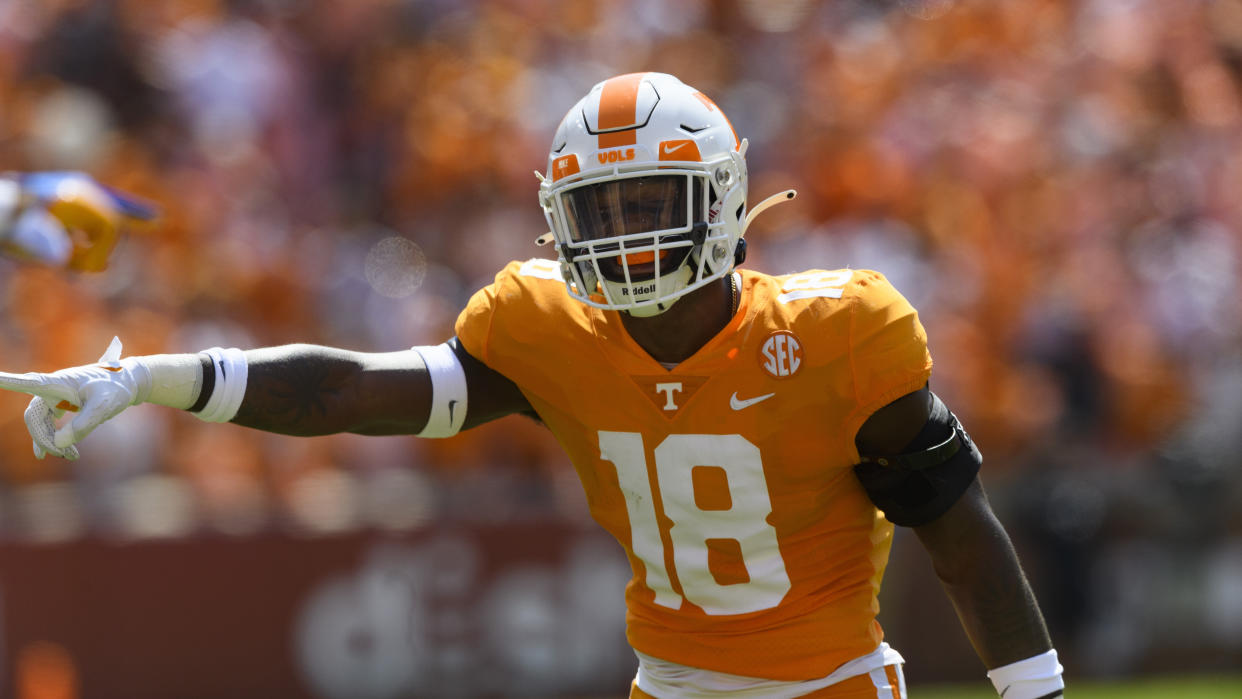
<point>618,106</point>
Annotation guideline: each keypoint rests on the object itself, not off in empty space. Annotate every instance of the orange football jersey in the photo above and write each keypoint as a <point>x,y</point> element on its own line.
<point>727,479</point>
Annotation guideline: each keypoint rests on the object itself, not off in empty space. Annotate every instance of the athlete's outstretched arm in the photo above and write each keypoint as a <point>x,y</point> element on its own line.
<point>970,550</point>
<point>311,390</point>
<point>295,389</point>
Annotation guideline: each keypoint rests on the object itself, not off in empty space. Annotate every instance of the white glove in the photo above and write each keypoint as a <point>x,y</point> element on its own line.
<point>96,392</point>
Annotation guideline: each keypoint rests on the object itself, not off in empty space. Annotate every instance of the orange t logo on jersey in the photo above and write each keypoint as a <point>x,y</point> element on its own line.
<point>669,390</point>
<point>669,394</point>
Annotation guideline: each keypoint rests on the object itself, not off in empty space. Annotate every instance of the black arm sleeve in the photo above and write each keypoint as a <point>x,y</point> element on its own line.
<point>930,474</point>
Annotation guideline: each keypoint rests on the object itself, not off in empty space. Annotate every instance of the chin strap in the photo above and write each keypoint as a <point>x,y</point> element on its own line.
<point>778,198</point>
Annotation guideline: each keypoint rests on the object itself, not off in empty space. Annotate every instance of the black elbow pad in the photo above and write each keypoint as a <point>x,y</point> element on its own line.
<point>919,485</point>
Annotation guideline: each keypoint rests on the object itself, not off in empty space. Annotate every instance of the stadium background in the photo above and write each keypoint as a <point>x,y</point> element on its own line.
<point>1055,184</point>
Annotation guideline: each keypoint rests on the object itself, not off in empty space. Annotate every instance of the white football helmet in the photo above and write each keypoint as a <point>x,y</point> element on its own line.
<point>645,194</point>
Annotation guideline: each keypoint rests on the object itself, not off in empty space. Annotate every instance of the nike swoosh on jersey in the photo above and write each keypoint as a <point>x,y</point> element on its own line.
<point>739,404</point>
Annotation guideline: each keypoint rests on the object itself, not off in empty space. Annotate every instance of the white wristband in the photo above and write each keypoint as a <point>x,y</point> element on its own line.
<point>1037,677</point>
<point>230,387</point>
<point>448,391</point>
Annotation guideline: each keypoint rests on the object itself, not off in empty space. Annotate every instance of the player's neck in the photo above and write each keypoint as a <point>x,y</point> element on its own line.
<point>676,334</point>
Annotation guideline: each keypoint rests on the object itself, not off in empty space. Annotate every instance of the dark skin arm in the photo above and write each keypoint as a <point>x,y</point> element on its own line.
<point>308,390</point>
<point>970,551</point>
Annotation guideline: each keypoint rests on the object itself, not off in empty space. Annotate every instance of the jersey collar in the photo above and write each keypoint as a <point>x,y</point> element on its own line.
<point>623,352</point>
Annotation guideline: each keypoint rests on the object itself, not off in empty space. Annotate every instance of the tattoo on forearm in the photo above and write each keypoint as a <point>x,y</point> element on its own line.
<point>293,395</point>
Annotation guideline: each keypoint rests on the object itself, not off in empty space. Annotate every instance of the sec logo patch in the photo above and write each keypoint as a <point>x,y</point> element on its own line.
<point>781,354</point>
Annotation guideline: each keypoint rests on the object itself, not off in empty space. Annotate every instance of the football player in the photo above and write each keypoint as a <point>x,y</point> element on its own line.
<point>63,219</point>
<point>750,440</point>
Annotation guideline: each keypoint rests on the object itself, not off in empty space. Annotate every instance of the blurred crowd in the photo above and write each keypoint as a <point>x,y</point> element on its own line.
<point>1054,184</point>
